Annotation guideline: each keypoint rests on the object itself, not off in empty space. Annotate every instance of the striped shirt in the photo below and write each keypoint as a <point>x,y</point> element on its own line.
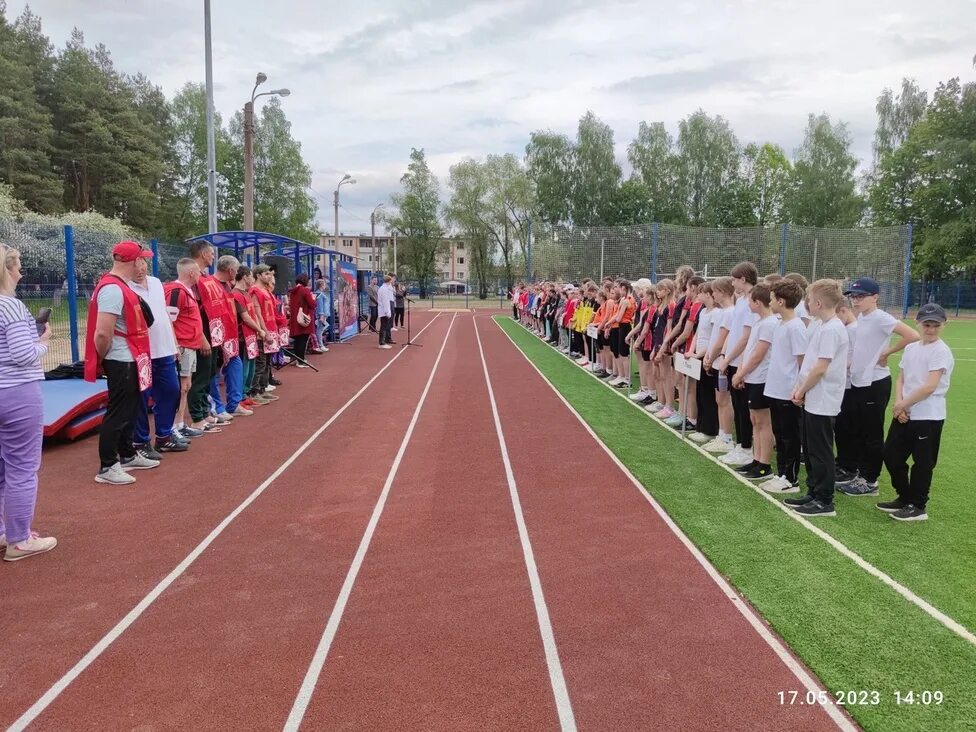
<point>20,349</point>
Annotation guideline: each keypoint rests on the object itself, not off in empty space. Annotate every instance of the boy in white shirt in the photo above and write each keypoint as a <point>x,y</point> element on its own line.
<point>751,377</point>
<point>871,382</point>
<point>786,355</point>
<point>919,413</point>
<point>820,390</point>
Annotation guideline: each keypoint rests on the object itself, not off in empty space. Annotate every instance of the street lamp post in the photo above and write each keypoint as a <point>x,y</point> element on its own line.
<point>345,179</point>
<point>372,226</point>
<point>249,147</point>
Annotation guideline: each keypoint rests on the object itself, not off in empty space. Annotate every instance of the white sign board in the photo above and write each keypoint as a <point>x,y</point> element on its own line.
<point>688,366</point>
<point>592,331</point>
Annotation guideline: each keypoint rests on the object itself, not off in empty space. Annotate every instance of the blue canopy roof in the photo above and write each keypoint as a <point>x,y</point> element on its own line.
<point>284,245</point>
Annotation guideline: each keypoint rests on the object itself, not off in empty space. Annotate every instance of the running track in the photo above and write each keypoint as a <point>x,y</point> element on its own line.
<point>400,572</point>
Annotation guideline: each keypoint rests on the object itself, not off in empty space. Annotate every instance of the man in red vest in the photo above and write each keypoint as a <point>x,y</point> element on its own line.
<point>117,343</point>
<point>210,294</point>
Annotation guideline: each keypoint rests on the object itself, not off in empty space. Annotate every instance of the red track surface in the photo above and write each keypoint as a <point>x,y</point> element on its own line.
<point>440,630</point>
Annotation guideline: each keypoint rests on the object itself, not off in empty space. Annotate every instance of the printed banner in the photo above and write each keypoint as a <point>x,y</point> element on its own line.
<point>348,300</point>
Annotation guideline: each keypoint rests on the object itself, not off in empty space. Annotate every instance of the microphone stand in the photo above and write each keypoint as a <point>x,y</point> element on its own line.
<point>291,354</point>
<point>409,342</point>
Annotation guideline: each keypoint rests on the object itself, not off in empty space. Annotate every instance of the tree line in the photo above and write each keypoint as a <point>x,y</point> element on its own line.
<point>77,135</point>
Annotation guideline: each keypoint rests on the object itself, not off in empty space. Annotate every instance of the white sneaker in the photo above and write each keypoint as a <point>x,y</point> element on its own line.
<point>114,475</point>
<point>638,395</point>
<point>394,329</point>
<point>139,462</point>
<point>779,484</point>
<point>698,437</point>
<point>736,456</point>
<point>582,361</point>
<point>270,387</point>
<point>224,418</point>
<point>386,346</point>
<point>29,547</point>
<point>654,407</point>
<point>719,445</point>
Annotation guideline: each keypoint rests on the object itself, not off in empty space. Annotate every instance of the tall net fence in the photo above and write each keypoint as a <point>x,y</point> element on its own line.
<point>657,250</point>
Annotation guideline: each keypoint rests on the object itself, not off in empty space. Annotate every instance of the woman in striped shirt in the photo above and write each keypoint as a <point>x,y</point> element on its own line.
<point>21,415</point>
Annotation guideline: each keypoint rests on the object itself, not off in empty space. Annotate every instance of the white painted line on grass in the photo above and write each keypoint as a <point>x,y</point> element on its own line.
<point>744,608</point>
<point>304,696</point>
<point>924,605</point>
<point>99,648</point>
<point>564,707</point>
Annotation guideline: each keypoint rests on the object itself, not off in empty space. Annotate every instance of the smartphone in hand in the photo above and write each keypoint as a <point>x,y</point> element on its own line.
<point>40,321</point>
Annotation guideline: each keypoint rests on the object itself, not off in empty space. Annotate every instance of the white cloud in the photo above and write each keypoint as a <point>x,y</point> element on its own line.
<point>462,78</point>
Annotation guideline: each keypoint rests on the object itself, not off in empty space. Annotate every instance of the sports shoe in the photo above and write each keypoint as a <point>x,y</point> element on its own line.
<point>801,501</point>
<point>270,387</point>
<point>736,456</point>
<point>138,462</point>
<point>758,472</point>
<point>259,400</point>
<point>29,547</point>
<point>718,445</point>
<point>700,438</point>
<point>664,413</point>
<point>274,382</point>
<point>114,475</point>
<point>625,384</point>
<point>646,401</point>
<point>272,397</point>
<point>908,513</point>
<point>638,396</point>
<point>191,432</point>
<point>386,346</point>
<point>747,467</point>
<point>224,418</point>
<point>241,411</point>
<point>603,374</point>
<point>301,366</point>
<point>842,476</point>
<point>675,420</point>
<point>146,450</point>
<point>891,506</point>
<point>171,444</point>
<point>394,329</point>
<point>654,407</point>
<point>858,487</point>
<point>779,484</point>
<point>816,508</point>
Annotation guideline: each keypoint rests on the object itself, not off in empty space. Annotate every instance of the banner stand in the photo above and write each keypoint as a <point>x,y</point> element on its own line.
<point>691,368</point>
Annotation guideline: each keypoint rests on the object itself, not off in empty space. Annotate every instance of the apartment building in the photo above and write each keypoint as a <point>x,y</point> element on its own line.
<point>451,266</point>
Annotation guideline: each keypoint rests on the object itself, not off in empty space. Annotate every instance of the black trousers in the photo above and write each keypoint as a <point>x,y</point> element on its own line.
<point>818,446</point>
<point>301,345</point>
<point>707,406</point>
<point>870,403</point>
<point>262,373</point>
<point>374,313</point>
<point>919,440</point>
<point>386,324</point>
<point>197,400</point>
<point>398,316</point>
<point>786,418</point>
<point>846,434</point>
<point>740,413</point>
<point>576,342</point>
<point>115,434</point>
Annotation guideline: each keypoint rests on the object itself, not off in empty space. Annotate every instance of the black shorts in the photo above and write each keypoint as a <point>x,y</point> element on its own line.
<point>757,400</point>
<point>614,342</point>
<point>600,342</point>
<point>646,355</point>
<point>623,347</point>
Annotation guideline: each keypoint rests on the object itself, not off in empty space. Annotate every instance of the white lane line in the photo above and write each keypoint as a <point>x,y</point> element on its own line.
<point>304,696</point>
<point>55,691</point>
<point>564,706</point>
<point>824,698</point>
<point>924,605</point>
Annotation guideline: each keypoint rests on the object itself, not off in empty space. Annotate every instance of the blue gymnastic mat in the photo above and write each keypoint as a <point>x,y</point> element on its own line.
<point>65,399</point>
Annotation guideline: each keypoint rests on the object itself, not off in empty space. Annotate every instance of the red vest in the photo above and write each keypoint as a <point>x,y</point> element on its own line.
<point>266,303</point>
<point>231,331</point>
<point>188,325</point>
<point>136,335</point>
<point>249,334</point>
<point>214,304</point>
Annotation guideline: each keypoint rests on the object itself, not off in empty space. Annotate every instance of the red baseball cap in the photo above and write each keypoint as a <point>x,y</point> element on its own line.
<point>130,251</point>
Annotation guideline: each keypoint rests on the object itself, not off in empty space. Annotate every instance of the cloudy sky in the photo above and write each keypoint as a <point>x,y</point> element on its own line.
<point>461,78</point>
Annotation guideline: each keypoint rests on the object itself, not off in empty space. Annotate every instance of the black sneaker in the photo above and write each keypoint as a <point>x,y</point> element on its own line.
<point>891,506</point>
<point>759,472</point>
<point>816,508</point>
<point>171,444</point>
<point>146,450</point>
<point>843,478</point>
<point>747,467</point>
<point>274,382</point>
<point>910,513</point>
<point>801,501</point>
<point>603,374</point>
<point>646,400</point>
<point>858,487</point>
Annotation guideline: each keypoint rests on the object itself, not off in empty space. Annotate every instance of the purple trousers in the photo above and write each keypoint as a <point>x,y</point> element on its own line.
<point>21,435</point>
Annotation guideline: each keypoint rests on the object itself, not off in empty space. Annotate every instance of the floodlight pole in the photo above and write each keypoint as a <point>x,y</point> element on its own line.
<point>211,149</point>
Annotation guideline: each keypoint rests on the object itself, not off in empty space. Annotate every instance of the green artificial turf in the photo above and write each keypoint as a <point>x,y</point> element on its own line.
<point>851,629</point>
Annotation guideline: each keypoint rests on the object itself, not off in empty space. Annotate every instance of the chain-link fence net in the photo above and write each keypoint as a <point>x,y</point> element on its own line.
<point>657,250</point>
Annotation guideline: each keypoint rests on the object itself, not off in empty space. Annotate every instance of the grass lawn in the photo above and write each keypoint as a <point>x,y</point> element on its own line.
<point>852,630</point>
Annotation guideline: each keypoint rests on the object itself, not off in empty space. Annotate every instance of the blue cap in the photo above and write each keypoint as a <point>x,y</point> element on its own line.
<point>931,311</point>
<point>863,286</point>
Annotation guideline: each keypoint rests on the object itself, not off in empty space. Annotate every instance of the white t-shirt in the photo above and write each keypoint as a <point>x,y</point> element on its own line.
<point>761,331</point>
<point>873,335</point>
<point>801,313</point>
<point>918,361</point>
<point>742,316</point>
<point>789,341</point>
<point>851,340</point>
<point>706,327</point>
<point>827,340</point>
<point>110,300</point>
<point>162,340</point>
